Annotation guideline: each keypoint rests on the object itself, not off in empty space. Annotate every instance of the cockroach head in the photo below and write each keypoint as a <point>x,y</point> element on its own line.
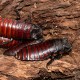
<point>36,32</point>
<point>66,45</point>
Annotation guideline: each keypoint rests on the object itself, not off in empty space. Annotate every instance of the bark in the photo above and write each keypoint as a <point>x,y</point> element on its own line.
<point>58,18</point>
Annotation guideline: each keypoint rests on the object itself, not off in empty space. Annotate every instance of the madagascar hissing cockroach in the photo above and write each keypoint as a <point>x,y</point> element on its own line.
<point>18,30</point>
<point>8,43</point>
<point>44,50</point>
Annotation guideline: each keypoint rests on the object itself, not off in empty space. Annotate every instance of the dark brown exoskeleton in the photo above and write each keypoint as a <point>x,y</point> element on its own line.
<point>19,31</point>
<point>48,49</point>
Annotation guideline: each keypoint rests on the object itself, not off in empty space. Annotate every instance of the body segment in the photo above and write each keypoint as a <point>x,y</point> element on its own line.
<point>18,30</point>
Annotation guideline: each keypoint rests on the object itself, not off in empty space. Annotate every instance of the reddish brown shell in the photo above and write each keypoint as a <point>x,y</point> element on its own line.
<point>17,30</point>
<point>44,50</point>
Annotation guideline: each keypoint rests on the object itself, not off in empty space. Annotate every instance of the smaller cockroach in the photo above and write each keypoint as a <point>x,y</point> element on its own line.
<point>44,50</point>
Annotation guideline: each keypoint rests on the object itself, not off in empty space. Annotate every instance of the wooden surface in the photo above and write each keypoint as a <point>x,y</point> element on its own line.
<point>58,18</point>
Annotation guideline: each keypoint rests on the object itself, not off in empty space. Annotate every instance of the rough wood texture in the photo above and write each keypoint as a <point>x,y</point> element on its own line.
<point>58,18</point>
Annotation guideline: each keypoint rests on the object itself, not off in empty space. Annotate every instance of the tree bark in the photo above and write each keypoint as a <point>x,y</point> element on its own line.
<point>57,18</point>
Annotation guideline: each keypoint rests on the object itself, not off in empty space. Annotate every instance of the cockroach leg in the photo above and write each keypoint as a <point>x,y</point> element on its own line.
<point>54,57</point>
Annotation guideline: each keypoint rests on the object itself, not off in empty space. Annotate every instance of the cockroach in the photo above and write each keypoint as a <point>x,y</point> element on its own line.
<point>18,30</point>
<point>8,43</point>
<point>44,50</point>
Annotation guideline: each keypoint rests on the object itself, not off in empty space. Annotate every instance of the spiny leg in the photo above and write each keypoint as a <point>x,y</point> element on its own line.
<point>54,57</point>
<point>51,60</point>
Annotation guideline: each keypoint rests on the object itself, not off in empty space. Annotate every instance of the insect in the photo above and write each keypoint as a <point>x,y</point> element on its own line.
<point>44,50</point>
<point>19,31</point>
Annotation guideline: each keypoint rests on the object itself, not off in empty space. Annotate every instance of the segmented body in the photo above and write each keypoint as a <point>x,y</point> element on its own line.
<point>44,50</point>
<point>17,47</point>
<point>14,29</point>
